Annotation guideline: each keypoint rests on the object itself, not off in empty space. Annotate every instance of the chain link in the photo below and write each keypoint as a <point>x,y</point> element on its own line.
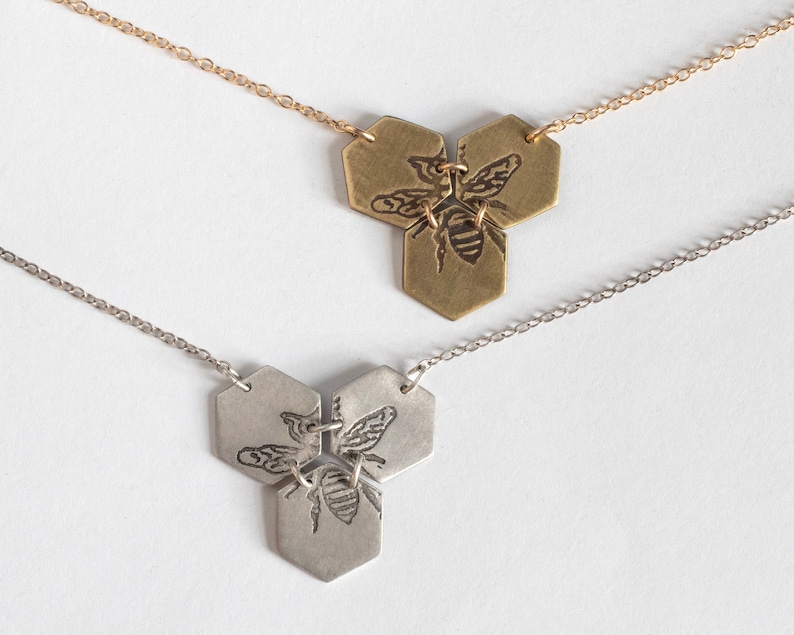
<point>340,125</point>
<point>205,64</point>
<point>418,371</point>
<point>657,86</point>
<point>629,283</point>
<point>202,355</point>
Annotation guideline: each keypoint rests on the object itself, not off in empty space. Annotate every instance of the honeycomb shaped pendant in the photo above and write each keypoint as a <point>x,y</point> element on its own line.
<point>456,267</point>
<point>330,519</point>
<point>455,254</point>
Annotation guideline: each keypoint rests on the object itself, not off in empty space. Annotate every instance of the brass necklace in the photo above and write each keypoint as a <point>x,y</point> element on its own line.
<point>455,247</point>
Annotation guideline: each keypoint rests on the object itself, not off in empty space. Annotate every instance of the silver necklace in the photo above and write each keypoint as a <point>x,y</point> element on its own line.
<point>269,425</point>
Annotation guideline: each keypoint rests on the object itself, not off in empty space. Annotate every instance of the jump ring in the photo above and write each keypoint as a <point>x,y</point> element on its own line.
<point>480,213</point>
<point>452,167</point>
<point>299,476</point>
<point>357,132</point>
<point>325,427</point>
<point>419,370</point>
<point>233,376</point>
<point>542,132</point>
<point>356,471</point>
<point>429,215</point>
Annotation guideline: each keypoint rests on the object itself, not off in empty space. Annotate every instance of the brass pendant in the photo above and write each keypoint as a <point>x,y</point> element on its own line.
<point>456,267</point>
<point>454,261</point>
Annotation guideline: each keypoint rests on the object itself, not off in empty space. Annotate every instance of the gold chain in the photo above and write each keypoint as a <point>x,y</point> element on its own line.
<point>681,75</point>
<point>340,125</point>
<point>205,64</point>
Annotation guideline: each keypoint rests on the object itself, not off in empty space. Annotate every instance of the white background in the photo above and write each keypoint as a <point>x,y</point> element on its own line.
<point>628,469</point>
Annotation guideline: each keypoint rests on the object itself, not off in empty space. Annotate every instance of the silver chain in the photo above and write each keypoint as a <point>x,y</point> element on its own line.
<point>126,317</point>
<point>416,373</point>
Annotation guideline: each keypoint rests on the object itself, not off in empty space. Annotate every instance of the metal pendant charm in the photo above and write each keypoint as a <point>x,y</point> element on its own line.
<point>518,180</point>
<point>458,266</point>
<point>265,432</point>
<point>403,176</point>
<point>329,521</point>
<point>386,429</point>
<point>391,177</point>
<point>329,528</point>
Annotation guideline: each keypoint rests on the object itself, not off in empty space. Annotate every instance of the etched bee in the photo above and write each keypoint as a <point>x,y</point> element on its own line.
<point>408,202</point>
<point>488,182</point>
<point>483,186</point>
<point>365,434</point>
<point>331,485</point>
<point>278,459</point>
<point>456,229</point>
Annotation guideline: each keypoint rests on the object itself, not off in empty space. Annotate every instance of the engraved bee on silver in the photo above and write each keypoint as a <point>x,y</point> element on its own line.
<point>329,520</point>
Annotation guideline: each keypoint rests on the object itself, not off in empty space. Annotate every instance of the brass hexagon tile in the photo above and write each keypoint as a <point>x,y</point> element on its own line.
<point>457,267</point>
<point>518,180</point>
<point>391,177</point>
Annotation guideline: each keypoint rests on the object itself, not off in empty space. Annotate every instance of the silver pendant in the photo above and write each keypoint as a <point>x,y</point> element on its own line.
<point>385,430</point>
<point>329,528</point>
<point>329,520</point>
<point>265,432</point>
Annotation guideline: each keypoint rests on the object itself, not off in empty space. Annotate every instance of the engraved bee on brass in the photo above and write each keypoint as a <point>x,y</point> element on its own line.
<point>488,182</point>
<point>457,267</point>
<point>407,202</point>
<point>482,187</point>
<point>500,180</point>
<point>456,230</point>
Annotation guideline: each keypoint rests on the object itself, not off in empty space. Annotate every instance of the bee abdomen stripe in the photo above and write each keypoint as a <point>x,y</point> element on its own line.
<point>472,234</point>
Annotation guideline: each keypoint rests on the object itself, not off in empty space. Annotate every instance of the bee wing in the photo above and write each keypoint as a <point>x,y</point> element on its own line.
<point>490,180</point>
<point>365,433</point>
<point>274,459</point>
<point>406,203</point>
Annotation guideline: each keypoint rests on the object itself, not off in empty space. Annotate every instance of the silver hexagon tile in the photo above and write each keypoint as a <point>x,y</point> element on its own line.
<point>262,431</point>
<point>329,528</point>
<point>390,430</point>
